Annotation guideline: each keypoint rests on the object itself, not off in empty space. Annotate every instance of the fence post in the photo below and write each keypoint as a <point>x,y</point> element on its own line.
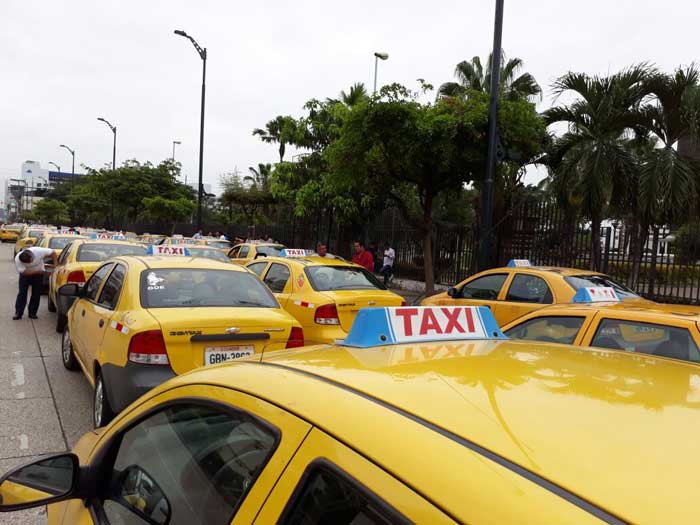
<point>606,253</point>
<point>652,269</point>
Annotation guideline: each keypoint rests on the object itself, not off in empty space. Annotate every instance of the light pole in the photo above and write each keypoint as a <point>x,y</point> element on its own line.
<point>377,57</point>
<point>58,168</point>
<point>203,55</point>
<point>114,147</point>
<point>178,143</point>
<point>485,257</point>
<point>72,152</point>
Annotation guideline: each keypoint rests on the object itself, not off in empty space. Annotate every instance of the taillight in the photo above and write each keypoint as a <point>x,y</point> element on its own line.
<point>296,337</point>
<point>327,314</point>
<point>148,348</point>
<point>76,277</point>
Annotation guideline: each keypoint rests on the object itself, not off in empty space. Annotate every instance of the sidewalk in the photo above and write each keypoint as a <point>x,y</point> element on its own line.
<point>413,291</point>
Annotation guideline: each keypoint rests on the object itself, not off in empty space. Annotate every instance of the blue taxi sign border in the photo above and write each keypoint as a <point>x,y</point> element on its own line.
<point>519,263</point>
<point>596,294</point>
<point>378,326</point>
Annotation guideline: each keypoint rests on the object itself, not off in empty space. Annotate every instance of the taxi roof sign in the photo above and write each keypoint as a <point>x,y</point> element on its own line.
<point>294,252</point>
<point>108,236</point>
<point>518,263</point>
<point>413,324</point>
<point>596,294</point>
<point>168,250</point>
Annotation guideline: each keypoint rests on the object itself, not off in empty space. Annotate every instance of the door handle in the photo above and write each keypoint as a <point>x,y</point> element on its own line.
<point>101,323</point>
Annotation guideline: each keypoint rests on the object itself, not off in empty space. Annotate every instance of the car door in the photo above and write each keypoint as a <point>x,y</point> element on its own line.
<point>525,292</point>
<point>328,482</point>
<point>277,279</point>
<point>196,455</point>
<point>59,271</point>
<point>485,290</point>
<point>84,327</point>
<point>113,342</point>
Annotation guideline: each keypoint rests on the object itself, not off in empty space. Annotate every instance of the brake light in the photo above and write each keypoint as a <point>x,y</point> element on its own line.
<point>148,348</point>
<point>76,277</point>
<point>327,314</point>
<point>296,337</point>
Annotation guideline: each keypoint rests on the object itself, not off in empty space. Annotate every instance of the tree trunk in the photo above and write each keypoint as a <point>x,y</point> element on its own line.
<point>595,243</point>
<point>428,245</point>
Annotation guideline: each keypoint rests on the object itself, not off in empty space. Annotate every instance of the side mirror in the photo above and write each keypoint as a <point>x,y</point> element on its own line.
<point>70,290</point>
<point>47,480</point>
<point>453,292</point>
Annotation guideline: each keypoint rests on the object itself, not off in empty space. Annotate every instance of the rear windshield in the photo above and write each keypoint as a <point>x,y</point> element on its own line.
<point>270,251</point>
<point>327,278</point>
<point>58,243</point>
<point>219,244</point>
<point>188,287</point>
<point>209,254</point>
<point>36,234</point>
<point>586,281</point>
<point>102,252</point>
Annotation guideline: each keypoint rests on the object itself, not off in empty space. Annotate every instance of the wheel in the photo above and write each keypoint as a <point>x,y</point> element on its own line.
<point>61,322</point>
<point>102,412</point>
<point>51,304</point>
<point>67,355</point>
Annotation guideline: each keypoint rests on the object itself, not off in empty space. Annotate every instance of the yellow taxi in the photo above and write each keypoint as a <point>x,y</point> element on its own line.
<point>140,320</point>
<point>221,244</point>
<point>31,237</point>
<point>248,251</point>
<point>323,294</point>
<point>77,263</point>
<point>208,252</point>
<point>10,232</point>
<point>55,241</point>
<point>150,238</point>
<point>520,288</point>
<point>598,318</point>
<point>422,415</point>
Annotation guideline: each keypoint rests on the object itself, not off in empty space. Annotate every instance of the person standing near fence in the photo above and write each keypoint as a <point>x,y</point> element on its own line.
<point>30,267</point>
<point>388,266</point>
<point>363,257</point>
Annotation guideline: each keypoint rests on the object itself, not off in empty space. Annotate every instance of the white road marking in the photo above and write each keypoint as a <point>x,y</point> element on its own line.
<point>18,370</point>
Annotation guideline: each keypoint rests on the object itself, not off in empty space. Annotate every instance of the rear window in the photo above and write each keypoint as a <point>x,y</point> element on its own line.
<point>223,245</point>
<point>208,254</point>
<point>270,251</point>
<point>327,278</point>
<point>102,252</point>
<point>585,281</point>
<point>188,287</point>
<point>58,243</point>
<point>36,234</point>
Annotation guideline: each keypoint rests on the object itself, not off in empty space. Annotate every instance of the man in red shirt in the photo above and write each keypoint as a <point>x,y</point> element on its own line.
<point>363,257</point>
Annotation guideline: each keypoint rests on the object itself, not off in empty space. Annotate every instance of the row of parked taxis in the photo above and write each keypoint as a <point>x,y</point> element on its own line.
<point>384,414</point>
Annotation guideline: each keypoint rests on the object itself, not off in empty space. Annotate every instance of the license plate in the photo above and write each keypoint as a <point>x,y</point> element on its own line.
<point>220,354</point>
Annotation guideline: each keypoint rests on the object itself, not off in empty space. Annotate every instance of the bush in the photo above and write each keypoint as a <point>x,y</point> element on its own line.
<point>686,247</point>
<point>665,273</point>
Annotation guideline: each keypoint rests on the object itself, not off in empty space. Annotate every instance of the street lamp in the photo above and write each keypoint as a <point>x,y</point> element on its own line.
<point>72,152</point>
<point>377,57</point>
<point>203,55</point>
<point>178,143</point>
<point>58,168</point>
<point>114,147</point>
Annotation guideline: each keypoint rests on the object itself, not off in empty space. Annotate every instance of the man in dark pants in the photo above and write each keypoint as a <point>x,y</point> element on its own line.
<point>30,267</point>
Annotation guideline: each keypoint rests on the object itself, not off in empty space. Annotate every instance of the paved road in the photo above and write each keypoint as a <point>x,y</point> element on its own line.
<point>44,408</point>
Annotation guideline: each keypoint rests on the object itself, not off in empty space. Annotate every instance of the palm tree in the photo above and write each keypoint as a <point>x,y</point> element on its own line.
<point>261,177</point>
<point>280,131</point>
<point>357,94</point>
<point>592,163</point>
<point>472,76</point>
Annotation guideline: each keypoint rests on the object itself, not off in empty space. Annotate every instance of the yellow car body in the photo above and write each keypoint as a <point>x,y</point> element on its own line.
<point>213,242</point>
<point>30,237</point>
<point>323,294</point>
<point>78,261</point>
<point>245,252</point>
<point>55,241</point>
<point>149,238</point>
<point>10,232</point>
<point>513,291</point>
<point>140,320</point>
<point>208,252</point>
<point>460,430</point>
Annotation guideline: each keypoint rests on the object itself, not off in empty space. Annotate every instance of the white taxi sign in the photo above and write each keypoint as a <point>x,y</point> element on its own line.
<point>294,252</point>
<point>518,263</point>
<point>596,294</point>
<point>413,324</point>
<point>168,250</point>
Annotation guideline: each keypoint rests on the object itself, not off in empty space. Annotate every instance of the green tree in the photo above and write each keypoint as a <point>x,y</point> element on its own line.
<point>51,211</point>
<point>280,130</point>
<point>251,194</point>
<point>166,211</point>
<point>471,76</point>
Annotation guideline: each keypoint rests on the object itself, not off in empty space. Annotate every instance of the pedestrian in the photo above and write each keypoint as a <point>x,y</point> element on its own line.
<point>30,267</point>
<point>198,235</point>
<point>388,267</point>
<point>223,237</point>
<point>209,234</point>
<point>362,256</point>
<point>322,251</point>
<point>374,250</point>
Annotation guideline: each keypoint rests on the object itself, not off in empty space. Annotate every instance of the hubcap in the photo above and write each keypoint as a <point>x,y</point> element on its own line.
<point>98,403</point>
<point>66,346</point>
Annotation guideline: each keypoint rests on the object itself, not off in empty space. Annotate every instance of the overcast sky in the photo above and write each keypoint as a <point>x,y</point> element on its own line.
<point>63,64</point>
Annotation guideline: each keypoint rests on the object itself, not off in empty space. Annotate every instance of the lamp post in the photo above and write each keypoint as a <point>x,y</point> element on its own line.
<point>485,257</point>
<point>58,168</point>
<point>203,55</point>
<point>72,170</point>
<point>178,143</point>
<point>114,147</point>
<point>377,57</point>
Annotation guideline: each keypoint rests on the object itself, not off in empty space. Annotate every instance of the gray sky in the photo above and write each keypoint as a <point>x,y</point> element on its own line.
<point>66,63</point>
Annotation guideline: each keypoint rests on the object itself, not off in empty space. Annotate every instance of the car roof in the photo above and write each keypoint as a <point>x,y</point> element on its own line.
<point>559,270</point>
<point>618,430</point>
<point>87,240</point>
<point>647,311</point>
<point>193,263</point>
<point>308,260</point>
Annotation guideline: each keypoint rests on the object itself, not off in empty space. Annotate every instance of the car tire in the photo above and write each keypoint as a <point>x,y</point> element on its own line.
<point>61,322</point>
<point>67,355</point>
<point>51,304</point>
<point>102,412</point>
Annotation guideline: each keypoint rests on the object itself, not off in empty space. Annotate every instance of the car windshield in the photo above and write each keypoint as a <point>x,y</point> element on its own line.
<point>36,234</point>
<point>270,251</point>
<point>328,278</point>
<point>191,287</point>
<point>208,253</point>
<point>219,244</point>
<point>102,252</point>
<point>58,243</point>
<point>586,281</point>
